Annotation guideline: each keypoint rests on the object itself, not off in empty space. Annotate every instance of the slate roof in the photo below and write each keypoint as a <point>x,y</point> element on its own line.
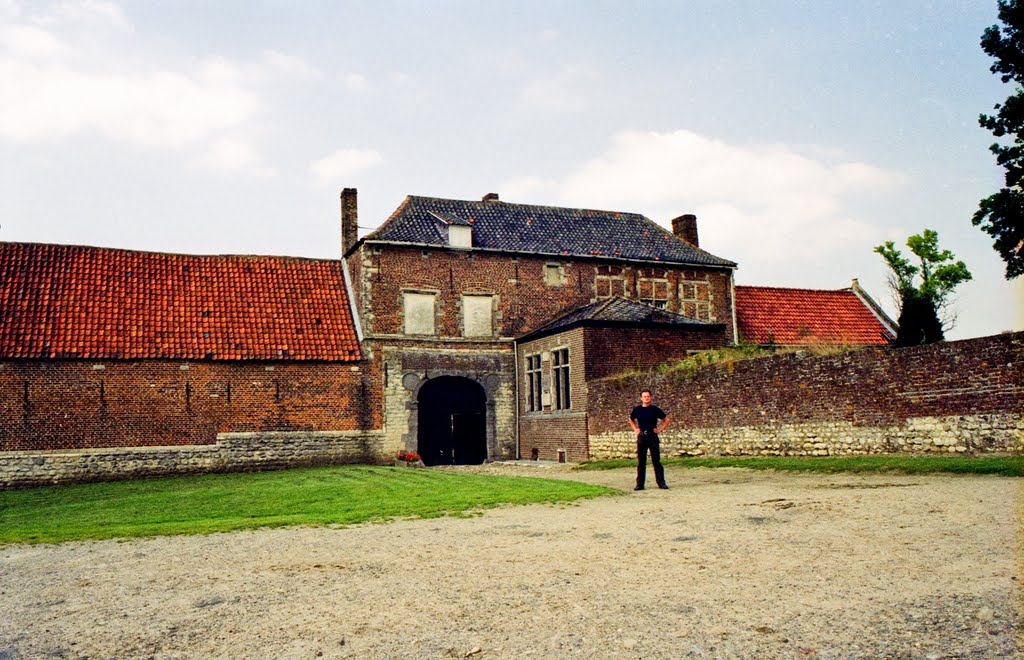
<point>68,301</point>
<point>619,312</point>
<point>547,230</point>
<point>806,316</point>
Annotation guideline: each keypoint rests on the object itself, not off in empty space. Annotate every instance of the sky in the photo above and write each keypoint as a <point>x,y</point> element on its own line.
<point>801,133</point>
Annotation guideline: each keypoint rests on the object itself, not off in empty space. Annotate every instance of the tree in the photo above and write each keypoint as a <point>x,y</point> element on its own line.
<point>1001,215</point>
<point>922,304</point>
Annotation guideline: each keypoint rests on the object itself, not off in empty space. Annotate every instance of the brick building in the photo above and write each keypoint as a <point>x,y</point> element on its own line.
<point>447,290</point>
<point>465,330</point>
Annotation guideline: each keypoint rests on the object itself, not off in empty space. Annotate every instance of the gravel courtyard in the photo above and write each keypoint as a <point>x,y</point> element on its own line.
<point>727,563</point>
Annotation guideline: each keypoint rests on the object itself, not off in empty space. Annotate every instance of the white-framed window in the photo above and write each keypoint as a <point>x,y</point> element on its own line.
<point>477,316</point>
<point>534,402</point>
<point>560,379</point>
<point>695,300</point>
<point>418,311</point>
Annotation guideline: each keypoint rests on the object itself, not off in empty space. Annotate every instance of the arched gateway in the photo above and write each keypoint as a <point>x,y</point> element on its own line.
<point>451,427</point>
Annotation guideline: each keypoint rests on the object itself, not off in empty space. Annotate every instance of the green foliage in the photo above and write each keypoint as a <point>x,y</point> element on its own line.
<point>1008,466</point>
<point>919,321</point>
<point>1001,215</point>
<point>922,289</point>
<point>685,368</point>
<point>345,495</point>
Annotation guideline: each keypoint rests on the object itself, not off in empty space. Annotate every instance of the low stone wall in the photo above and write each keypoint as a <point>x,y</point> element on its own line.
<point>233,452</point>
<point>961,434</point>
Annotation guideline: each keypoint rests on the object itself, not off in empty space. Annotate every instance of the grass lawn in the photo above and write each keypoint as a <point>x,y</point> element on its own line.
<point>1008,466</point>
<point>342,495</point>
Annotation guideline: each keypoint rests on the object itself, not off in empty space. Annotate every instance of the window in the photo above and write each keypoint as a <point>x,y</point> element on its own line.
<point>476,316</point>
<point>695,300</point>
<point>553,275</point>
<point>418,309</point>
<point>610,285</point>
<point>560,378</point>
<point>534,403</point>
<point>460,236</point>
<point>653,292</point>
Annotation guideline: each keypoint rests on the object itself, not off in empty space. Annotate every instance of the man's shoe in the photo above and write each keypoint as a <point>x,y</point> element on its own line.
<point>663,486</point>
<point>638,487</point>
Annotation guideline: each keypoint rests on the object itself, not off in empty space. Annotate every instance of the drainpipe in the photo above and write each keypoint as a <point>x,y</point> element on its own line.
<point>732,293</point>
<point>515,393</point>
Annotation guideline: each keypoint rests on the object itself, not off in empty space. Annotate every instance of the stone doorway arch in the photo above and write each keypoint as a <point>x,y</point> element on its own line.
<point>451,424</point>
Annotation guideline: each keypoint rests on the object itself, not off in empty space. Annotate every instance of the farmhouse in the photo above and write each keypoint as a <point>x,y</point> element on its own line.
<point>464,330</point>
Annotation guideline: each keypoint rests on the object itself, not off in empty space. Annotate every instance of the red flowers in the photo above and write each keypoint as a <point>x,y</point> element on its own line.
<point>410,456</point>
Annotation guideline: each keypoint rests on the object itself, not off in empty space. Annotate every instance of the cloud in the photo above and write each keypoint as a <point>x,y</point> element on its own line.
<point>60,77</point>
<point>291,66</point>
<point>93,12</point>
<point>46,103</point>
<point>232,155</point>
<point>355,82</point>
<point>30,41</point>
<point>343,163</point>
<point>564,91</point>
<point>759,204</point>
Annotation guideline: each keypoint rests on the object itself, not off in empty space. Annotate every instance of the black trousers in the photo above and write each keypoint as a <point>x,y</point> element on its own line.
<point>648,442</point>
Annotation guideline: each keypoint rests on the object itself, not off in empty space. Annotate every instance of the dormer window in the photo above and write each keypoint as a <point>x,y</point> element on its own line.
<point>460,236</point>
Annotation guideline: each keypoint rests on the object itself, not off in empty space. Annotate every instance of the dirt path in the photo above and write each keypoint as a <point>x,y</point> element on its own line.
<point>726,563</point>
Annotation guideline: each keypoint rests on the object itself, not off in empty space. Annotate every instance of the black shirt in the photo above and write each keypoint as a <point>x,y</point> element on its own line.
<point>647,417</point>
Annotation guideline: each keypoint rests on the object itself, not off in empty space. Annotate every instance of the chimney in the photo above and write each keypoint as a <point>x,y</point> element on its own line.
<point>349,219</point>
<point>490,197</point>
<point>685,227</point>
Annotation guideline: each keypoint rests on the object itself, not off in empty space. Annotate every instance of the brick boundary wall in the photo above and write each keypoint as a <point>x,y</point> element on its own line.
<point>50,405</point>
<point>232,452</point>
<point>953,397</point>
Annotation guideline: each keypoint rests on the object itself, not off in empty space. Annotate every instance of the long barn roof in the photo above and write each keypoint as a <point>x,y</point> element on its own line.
<point>69,301</point>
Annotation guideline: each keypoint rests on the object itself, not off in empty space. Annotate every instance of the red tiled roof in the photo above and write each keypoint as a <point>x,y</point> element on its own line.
<point>806,316</point>
<point>68,301</point>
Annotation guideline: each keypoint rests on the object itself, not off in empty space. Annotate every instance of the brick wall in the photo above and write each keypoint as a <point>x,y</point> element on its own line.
<point>524,299</point>
<point>550,429</point>
<point>963,396</point>
<point>58,405</point>
<point>642,349</point>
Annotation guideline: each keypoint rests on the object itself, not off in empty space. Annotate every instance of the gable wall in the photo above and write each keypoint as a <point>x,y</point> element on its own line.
<point>523,301</point>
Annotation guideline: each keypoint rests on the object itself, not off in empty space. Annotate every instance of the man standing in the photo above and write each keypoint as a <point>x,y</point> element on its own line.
<point>644,419</point>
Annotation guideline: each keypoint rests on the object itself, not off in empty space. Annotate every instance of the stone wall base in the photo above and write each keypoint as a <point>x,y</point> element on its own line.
<point>233,452</point>
<point>955,434</point>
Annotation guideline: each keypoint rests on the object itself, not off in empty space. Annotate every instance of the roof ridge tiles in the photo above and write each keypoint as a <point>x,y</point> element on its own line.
<point>793,288</point>
<point>526,205</point>
<point>121,250</point>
